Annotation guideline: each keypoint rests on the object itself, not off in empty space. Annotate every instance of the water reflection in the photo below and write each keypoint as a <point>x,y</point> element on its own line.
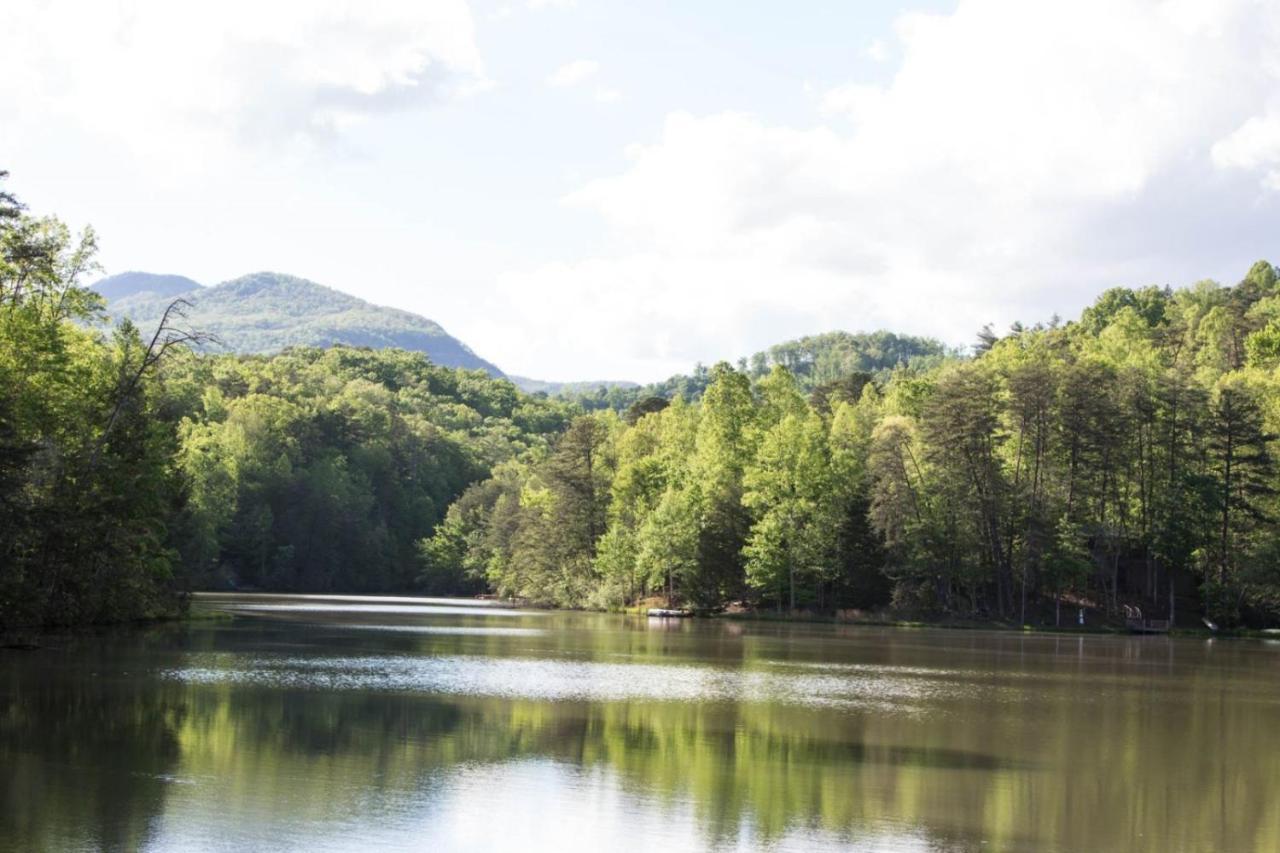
<point>233,600</point>
<point>593,733</point>
<point>340,608</point>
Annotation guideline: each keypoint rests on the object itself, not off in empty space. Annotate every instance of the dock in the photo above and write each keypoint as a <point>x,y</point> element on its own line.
<point>665,613</point>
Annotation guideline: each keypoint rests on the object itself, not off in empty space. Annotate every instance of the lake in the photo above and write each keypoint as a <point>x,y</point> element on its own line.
<point>319,723</point>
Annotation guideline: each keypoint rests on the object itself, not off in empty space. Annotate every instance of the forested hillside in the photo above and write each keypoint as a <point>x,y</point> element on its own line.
<point>825,361</point>
<point>1124,458</point>
<point>322,469</point>
<point>133,468</point>
<point>268,312</point>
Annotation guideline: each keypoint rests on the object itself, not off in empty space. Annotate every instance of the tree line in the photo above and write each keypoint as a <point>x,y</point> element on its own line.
<point>133,469</point>
<point>814,360</point>
<point>1123,459</point>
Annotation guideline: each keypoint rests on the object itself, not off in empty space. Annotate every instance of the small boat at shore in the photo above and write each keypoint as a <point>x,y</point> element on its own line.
<point>666,613</point>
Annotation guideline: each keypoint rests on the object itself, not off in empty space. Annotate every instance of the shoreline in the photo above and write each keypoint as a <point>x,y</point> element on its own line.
<point>961,624</point>
<point>967,625</point>
<point>35,639</point>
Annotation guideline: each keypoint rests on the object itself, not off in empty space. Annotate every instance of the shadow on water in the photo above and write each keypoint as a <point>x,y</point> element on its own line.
<point>87,760</point>
<point>914,756</point>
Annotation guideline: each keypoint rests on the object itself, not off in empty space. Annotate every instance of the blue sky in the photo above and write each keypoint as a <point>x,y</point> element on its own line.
<point>598,189</point>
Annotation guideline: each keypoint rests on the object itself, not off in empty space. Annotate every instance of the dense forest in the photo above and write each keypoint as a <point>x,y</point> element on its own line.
<point>133,469</point>
<point>1126,458</point>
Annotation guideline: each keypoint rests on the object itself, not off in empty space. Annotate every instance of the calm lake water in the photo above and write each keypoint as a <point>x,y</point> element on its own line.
<point>326,723</point>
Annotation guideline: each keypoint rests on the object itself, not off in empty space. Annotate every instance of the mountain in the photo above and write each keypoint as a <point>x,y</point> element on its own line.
<point>129,284</point>
<point>267,312</point>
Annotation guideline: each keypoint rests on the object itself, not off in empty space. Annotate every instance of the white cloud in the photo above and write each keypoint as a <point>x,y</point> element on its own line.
<point>1024,156</point>
<point>573,73</point>
<point>878,51</point>
<point>856,101</point>
<point>581,71</point>
<point>1010,159</point>
<point>172,79</point>
<point>538,5</point>
<point>1255,144</point>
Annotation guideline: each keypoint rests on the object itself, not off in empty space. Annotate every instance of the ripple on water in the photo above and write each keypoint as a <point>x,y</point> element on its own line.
<point>521,678</point>
<point>461,630</point>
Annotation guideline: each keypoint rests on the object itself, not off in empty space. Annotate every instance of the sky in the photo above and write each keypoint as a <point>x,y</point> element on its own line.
<point>591,189</point>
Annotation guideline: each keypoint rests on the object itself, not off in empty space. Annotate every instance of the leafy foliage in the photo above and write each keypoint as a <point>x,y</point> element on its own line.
<point>322,469</point>
<point>85,485</point>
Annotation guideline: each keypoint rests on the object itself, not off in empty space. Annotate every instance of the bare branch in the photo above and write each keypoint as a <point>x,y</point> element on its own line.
<point>168,335</point>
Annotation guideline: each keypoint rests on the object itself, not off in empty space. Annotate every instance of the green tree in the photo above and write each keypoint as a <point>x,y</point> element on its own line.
<point>962,434</point>
<point>788,488</point>
<point>725,444</point>
<point>1244,471</point>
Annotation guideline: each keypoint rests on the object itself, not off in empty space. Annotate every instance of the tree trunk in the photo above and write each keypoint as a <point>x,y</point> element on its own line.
<point>1226,513</point>
<point>791,576</point>
<point>1022,618</point>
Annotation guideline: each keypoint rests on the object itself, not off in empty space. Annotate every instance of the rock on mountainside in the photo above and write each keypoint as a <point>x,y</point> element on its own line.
<point>267,312</point>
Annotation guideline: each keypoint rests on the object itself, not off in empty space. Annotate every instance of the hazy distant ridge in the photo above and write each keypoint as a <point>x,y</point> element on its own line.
<point>137,284</point>
<point>267,312</point>
<point>534,386</point>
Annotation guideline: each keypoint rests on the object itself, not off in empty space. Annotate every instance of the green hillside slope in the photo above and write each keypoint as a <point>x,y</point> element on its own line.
<point>268,312</point>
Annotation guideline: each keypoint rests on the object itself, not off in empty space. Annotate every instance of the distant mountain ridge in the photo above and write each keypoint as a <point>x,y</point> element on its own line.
<point>266,312</point>
<point>128,284</point>
<point>550,388</point>
<point>820,363</point>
